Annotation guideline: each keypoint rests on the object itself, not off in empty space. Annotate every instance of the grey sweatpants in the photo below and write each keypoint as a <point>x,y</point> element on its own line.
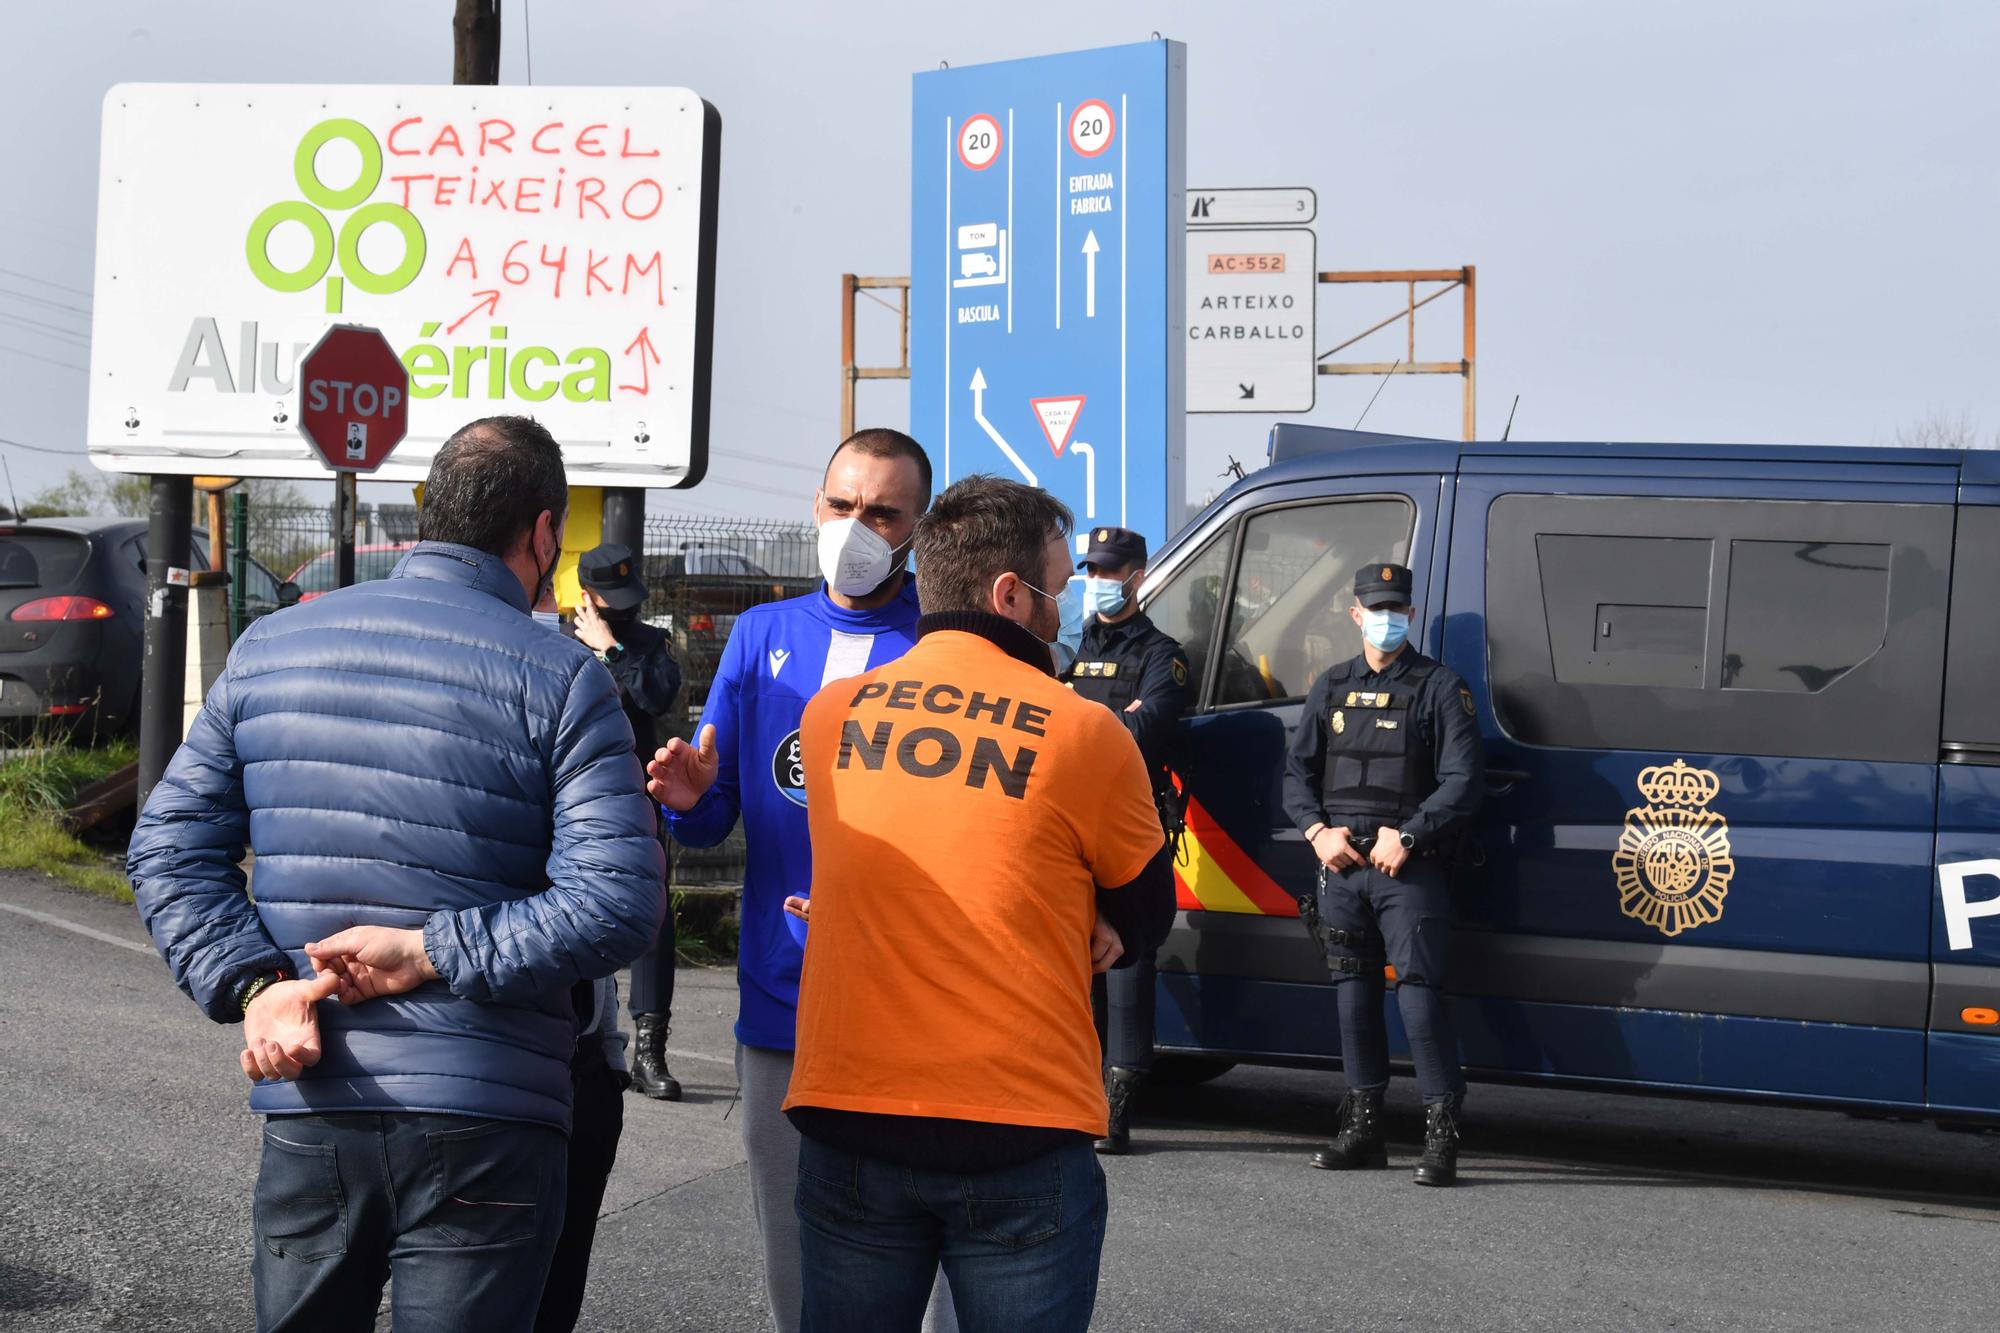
<point>772,1145</point>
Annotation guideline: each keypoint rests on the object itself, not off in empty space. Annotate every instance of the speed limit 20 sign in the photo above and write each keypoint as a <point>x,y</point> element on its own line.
<point>979,142</point>
<point>1091,127</point>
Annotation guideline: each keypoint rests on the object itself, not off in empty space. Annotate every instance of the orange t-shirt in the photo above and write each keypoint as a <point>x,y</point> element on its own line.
<point>964,808</point>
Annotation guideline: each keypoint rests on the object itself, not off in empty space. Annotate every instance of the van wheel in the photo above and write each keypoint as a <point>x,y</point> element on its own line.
<point>1186,1071</point>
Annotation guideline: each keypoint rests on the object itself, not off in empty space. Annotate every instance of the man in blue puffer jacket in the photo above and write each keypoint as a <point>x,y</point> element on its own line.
<point>451,831</point>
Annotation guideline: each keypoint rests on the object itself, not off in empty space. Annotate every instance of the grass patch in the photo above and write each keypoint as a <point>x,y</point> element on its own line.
<point>36,786</point>
<point>705,927</point>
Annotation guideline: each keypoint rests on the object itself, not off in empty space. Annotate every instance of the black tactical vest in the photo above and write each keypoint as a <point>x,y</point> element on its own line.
<point>1111,681</point>
<point>1380,758</point>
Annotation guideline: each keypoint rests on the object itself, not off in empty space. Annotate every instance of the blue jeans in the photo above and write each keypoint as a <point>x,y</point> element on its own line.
<point>463,1213</point>
<point>1020,1247</point>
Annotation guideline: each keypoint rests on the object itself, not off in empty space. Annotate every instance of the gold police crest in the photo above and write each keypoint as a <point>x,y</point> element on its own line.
<point>1673,863</point>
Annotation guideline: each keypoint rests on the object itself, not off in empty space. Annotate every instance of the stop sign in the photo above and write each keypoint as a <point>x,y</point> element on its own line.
<point>354,398</point>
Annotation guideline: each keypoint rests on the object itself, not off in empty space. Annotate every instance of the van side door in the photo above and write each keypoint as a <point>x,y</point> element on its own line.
<point>1712,689</point>
<point>1964,1065</point>
<point>1260,607</point>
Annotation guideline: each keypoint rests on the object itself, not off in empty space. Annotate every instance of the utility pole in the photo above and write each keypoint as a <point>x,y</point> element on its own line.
<point>163,664</point>
<point>475,44</point>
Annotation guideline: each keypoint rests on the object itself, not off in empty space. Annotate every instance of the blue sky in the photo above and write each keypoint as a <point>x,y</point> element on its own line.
<point>1700,221</point>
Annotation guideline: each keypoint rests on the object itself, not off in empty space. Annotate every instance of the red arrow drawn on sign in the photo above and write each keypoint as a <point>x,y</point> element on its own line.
<point>490,300</point>
<point>644,345</point>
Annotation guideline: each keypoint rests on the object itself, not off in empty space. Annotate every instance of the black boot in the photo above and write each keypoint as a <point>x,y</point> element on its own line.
<point>1359,1144</point>
<point>649,1059</point>
<point>1119,1087</point>
<point>1439,1164</point>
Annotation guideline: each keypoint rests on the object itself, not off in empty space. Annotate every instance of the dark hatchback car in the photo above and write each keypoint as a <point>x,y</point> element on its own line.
<point>72,618</point>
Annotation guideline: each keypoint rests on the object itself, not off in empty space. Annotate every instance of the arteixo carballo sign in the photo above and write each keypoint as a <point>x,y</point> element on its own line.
<point>545,251</point>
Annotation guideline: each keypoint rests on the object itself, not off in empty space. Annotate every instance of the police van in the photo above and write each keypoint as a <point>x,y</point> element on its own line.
<point>1741,709</point>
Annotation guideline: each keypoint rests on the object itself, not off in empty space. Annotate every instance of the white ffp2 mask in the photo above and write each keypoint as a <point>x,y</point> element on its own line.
<point>854,557</point>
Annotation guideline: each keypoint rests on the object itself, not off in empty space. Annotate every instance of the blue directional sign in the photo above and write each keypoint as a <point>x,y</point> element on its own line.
<point>1047,272</point>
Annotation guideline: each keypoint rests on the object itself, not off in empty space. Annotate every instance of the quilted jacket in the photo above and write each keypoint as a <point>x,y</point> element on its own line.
<point>412,752</point>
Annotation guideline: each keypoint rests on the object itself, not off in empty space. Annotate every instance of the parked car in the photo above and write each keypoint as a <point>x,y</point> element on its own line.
<point>72,613</point>
<point>317,576</point>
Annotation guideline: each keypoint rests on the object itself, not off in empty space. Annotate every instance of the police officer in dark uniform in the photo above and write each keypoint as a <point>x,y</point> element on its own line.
<point>1140,674</point>
<point>1384,774</point>
<point>641,661</point>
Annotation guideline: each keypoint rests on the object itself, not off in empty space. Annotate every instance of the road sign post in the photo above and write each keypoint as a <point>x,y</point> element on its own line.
<point>354,407</point>
<point>1047,278</point>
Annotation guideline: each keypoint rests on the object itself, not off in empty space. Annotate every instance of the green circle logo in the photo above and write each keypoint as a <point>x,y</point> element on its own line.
<point>326,247</point>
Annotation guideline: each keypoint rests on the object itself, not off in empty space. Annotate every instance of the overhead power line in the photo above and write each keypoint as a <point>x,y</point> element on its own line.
<point>43,300</point>
<point>37,356</point>
<point>46,282</point>
<point>42,448</point>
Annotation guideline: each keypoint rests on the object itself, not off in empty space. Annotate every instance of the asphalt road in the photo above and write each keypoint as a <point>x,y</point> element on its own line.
<point>127,1152</point>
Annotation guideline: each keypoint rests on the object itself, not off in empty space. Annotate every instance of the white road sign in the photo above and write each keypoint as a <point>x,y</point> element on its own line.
<point>544,251</point>
<point>1257,207</point>
<point>1251,298</point>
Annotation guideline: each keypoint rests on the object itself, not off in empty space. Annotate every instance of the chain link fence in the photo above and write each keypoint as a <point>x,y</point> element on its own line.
<point>701,571</point>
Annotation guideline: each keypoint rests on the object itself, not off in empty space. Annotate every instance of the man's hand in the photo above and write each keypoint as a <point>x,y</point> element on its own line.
<point>1333,849</point>
<point>1388,853</point>
<point>800,908</point>
<point>591,631</point>
<point>281,1028</point>
<point>681,774</point>
<point>1105,946</point>
<point>373,961</point>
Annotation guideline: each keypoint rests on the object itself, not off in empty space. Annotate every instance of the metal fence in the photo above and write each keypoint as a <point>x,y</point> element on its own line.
<point>702,572</point>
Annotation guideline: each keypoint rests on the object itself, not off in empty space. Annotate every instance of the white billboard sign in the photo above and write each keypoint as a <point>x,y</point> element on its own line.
<point>1260,206</point>
<point>540,251</point>
<point>1251,301</point>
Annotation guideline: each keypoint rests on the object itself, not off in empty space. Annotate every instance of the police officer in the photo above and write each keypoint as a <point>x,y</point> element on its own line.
<point>1141,674</point>
<point>642,663</point>
<point>1383,775</point>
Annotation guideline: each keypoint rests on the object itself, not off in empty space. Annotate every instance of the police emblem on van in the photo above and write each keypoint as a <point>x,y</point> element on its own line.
<point>1673,863</point>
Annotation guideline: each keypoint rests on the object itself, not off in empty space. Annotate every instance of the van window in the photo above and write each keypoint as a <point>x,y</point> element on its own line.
<point>1972,669</point>
<point>1185,608</point>
<point>1288,619</point>
<point>1809,628</point>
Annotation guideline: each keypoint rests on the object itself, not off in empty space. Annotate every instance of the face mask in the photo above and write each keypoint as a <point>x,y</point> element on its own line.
<point>548,619</point>
<point>854,557</point>
<point>1069,623</point>
<point>548,577</point>
<point>1385,630</point>
<point>1105,597</point>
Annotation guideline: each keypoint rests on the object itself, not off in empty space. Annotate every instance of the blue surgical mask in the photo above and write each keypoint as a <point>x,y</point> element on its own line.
<point>548,619</point>
<point>1105,597</point>
<point>1385,630</point>
<point>1069,629</point>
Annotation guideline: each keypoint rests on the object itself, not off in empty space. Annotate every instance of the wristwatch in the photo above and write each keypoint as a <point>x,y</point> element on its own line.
<point>614,653</point>
<point>257,985</point>
<point>1409,841</point>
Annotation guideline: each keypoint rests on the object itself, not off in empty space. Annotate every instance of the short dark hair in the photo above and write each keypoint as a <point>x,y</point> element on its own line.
<point>490,482</point>
<point>980,528</point>
<point>881,442</point>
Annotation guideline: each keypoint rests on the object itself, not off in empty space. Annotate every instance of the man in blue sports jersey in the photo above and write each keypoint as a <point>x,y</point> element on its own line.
<point>877,484</point>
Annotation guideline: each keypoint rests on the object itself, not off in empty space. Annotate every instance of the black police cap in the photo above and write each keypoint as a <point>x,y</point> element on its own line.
<point>611,572</point>
<point>1113,548</point>
<point>1382,585</point>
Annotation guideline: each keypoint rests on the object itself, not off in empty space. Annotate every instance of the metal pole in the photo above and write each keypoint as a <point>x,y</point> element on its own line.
<point>169,539</point>
<point>847,375</point>
<point>1471,360</point>
<point>625,519</point>
<point>239,558</point>
<point>344,490</point>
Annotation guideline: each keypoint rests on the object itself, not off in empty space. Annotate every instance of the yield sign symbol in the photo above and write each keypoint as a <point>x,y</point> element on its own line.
<point>1058,417</point>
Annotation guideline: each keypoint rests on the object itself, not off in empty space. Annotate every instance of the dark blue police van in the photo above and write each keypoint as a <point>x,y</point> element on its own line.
<point>1741,707</point>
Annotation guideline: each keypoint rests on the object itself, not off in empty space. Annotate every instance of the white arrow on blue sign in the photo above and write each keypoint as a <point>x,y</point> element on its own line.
<point>1047,278</point>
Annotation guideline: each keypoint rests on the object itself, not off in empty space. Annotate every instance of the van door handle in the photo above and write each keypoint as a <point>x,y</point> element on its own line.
<point>1508,775</point>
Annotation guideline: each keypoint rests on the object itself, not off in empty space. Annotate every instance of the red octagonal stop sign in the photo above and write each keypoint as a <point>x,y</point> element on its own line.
<point>354,398</point>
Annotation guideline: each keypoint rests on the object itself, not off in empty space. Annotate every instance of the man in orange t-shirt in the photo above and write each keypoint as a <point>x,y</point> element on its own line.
<point>972,821</point>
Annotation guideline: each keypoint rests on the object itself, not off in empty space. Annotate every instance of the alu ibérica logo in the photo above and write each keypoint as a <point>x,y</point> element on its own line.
<point>328,246</point>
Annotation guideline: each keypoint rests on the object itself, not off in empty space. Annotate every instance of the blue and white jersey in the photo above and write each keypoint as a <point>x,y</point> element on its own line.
<point>777,658</point>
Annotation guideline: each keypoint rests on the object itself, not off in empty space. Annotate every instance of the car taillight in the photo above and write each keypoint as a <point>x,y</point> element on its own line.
<point>701,624</point>
<point>62,608</point>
